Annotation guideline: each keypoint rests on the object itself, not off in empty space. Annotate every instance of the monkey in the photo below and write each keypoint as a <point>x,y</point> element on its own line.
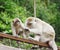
<point>43,31</point>
<point>17,27</point>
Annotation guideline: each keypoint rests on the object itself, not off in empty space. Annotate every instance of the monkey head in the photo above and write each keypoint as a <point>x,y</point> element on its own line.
<point>17,22</point>
<point>30,22</point>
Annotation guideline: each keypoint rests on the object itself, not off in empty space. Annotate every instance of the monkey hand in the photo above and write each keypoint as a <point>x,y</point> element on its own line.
<point>30,38</point>
<point>26,29</point>
<point>15,35</point>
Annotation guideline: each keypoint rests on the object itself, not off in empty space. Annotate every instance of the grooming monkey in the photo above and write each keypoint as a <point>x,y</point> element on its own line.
<point>43,31</point>
<point>17,27</point>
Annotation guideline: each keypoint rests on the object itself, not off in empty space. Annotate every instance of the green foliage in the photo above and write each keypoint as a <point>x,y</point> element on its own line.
<point>58,43</point>
<point>14,43</point>
<point>11,10</point>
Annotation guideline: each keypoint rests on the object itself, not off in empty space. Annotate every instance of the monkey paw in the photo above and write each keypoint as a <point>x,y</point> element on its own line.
<point>30,38</point>
<point>26,29</point>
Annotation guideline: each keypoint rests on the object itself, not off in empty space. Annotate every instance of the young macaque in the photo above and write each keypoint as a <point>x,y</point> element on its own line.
<point>17,27</point>
<point>43,31</point>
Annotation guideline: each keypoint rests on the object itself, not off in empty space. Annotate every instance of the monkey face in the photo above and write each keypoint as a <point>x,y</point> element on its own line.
<point>16,22</point>
<point>31,22</point>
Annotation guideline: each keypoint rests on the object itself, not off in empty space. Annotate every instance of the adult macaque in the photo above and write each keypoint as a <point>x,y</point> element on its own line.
<point>42,30</point>
<point>17,27</point>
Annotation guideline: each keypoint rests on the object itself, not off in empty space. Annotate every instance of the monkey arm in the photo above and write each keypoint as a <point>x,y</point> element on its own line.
<point>13,29</point>
<point>22,25</point>
<point>35,31</point>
